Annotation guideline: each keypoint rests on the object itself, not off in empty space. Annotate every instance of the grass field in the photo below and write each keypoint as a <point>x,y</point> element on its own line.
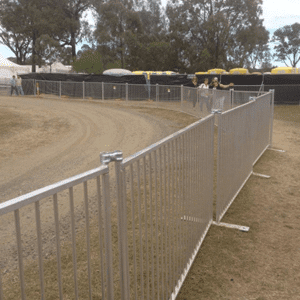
<point>261,264</point>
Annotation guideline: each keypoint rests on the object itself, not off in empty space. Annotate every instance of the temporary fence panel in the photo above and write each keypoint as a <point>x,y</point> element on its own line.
<point>169,93</point>
<point>221,100</point>
<point>141,92</point>
<point>93,90</point>
<point>166,209</point>
<point>234,161</point>
<point>114,91</point>
<point>84,196</point>
<point>242,97</point>
<point>71,89</point>
<point>260,125</point>
<point>49,88</point>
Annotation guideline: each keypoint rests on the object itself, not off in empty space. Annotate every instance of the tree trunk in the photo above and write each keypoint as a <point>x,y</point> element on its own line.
<point>33,70</point>
<point>73,44</point>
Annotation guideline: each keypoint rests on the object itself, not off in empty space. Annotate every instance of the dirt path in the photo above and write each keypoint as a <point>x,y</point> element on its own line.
<point>44,141</point>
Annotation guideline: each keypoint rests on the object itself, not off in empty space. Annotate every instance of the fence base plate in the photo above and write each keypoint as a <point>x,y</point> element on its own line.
<point>239,227</point>
<point>278,150</point>
<point>261,175</point>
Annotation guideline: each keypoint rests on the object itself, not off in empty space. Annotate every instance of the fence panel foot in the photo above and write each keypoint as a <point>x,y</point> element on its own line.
<point>261,175</point>
<point>239,227</point>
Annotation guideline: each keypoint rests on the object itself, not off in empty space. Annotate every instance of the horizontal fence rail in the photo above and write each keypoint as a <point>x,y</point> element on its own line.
<point>152,214</point>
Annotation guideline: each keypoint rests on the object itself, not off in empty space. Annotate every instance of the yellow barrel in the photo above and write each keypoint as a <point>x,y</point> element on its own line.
<point>238,71</point>
<point>216,71</point>
<point>201,73</point>
<point>285,70</point>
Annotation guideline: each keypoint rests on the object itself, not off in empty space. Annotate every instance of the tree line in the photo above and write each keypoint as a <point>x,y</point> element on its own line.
<point>185,36</point>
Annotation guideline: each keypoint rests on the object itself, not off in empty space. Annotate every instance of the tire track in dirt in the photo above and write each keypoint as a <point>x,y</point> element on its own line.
<point>93,128</point>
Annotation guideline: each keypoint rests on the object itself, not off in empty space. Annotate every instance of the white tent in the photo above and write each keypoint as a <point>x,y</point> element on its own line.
<point>8,68</point>
<point>117,72</point>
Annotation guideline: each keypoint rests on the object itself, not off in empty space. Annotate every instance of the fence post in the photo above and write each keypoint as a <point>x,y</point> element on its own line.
<point>272,116</point>
<point>231,97</point>
<point>60,89</point>
<point>157,95</point>
<point>122,230</point>
<point>83,90</point>
<point>126,90</point>
<point>181,100</point>
<point>117,157</point>
<point>34,87</point>
<point>102,90</point>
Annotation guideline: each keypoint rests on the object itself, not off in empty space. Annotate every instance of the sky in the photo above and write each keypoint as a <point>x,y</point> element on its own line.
<point>276,14</point>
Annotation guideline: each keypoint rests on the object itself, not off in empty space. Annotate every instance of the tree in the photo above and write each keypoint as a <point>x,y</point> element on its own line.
<point>214,32</point>
<point>90,62</point>
<point>287,44</point>
<point>116,18</point>
<point>73,28</point>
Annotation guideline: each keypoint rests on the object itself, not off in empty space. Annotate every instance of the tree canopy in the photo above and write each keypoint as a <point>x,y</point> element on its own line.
<point>184,36</point>
<point>287,44</point>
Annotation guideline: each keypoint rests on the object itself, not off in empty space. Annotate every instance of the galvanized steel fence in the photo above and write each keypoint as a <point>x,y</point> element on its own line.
<point>152,214</point>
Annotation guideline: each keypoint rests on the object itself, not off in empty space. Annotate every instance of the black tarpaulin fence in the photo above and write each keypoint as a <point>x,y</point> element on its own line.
<point>286,86</point>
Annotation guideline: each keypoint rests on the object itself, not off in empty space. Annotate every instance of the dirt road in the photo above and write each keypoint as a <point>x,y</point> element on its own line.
<point>44,141</point>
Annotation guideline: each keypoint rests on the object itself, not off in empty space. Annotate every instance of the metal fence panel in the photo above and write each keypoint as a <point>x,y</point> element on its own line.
<point>71,89</point>
<point>93,90</point>
<point>234,154</point>
<point>261,125</point>
<point>168,190</point>
<point>90,191</point>
<point>49,88</point>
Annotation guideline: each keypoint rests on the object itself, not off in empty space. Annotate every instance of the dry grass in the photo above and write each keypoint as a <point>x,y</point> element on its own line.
<point>261,264</point>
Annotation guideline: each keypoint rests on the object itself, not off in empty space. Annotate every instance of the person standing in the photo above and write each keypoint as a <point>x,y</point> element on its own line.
<point>13,85</point>
<point>19,85</point>
<point>203,88</point>
<point>218,86</point>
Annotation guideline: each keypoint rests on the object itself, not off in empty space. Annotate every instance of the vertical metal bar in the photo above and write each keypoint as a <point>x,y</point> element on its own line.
<point>20,255</point>
<point>126,91</point>
<point>146,227</point>
<point>218,212</point>
<point>151,225</point>
<point>231,98</point>
<point>140,231</point>
<point>181,98</point>
<point>34,87</point>
<point>83,94</point>
<point>87,222</point>
<point>60,89</point>
<point>40,254</point>
<point>169,145</point>
<point>165,221</point>
<point>108,238</point>
<point>272,116</point>
<point>125,233</point>
<point>102,90</point>
<point>1,289</point>
<point>172,216</point>
<point>157,94</point>
<point>122,262</point>
<point>71,198</point>
<point>156,226</point>
<point>55,206</point>
<point>100,222</point>
<point>161,220</point>
<point>133,233</point>
<point>181,200</point>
